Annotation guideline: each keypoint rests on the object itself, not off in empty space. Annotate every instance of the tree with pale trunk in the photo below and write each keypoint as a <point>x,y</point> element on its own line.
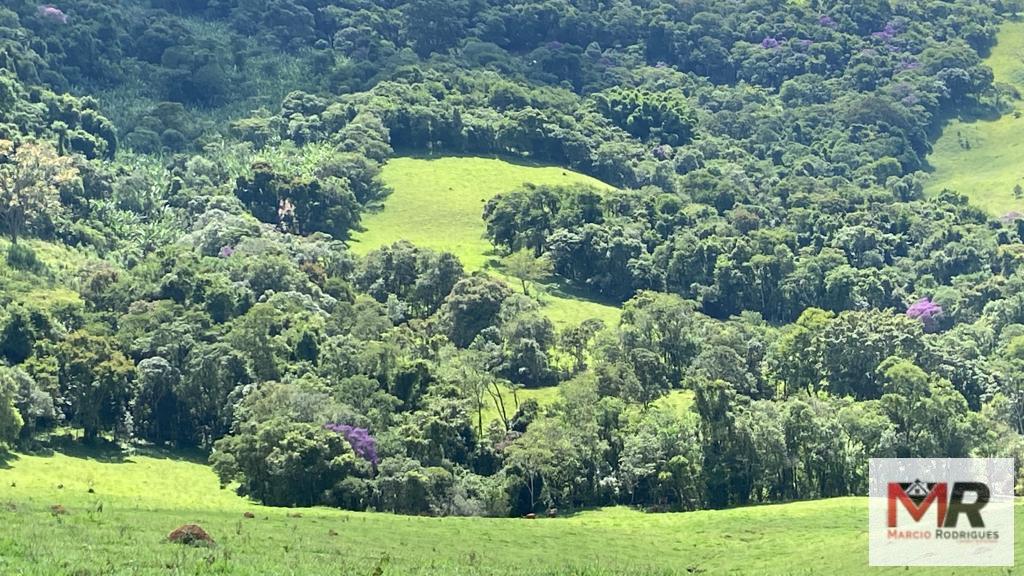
<point>526,267</point>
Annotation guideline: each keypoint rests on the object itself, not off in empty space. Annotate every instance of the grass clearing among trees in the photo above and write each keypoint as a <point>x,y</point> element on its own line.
<point>678,401</point>
<point>438,203</point>
<point>983,158</point>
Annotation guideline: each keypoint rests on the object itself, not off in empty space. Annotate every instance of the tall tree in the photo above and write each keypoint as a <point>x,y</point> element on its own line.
<point>31,176</point>
<point>10,419</point>
<point>96,381</point>
<point>526,267</point>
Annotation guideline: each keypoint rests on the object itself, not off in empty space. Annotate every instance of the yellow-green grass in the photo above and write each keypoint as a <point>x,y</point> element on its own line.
<point>42,288</point>
<point>569,308</point>
<point>676,400</point>
<point>438,203</point>
<point>993,164</point>
<point>544,397</point>
<point>121,529</point>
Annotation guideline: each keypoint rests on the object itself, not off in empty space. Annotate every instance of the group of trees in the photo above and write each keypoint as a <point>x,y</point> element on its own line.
<point>791,302</point>
<point>310,392</point>
<point>855,249</point>
<point>569,82</point>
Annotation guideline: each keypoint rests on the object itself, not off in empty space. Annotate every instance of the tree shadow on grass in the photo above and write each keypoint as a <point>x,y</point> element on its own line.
<point>568,290</point>
<point>553,286</point>
<point>100,450</point>
<point>524,161</point>
<point>109,452</point>
<point>6,458</point>
<point>977,114</point>
<point>192,455</point>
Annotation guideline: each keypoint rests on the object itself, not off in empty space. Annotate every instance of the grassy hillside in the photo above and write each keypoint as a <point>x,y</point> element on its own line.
<point>676,400</point>
<point>985,159</point>
<point>46,285</point>
<point>121,527</point>
<point>437,203</point>
<point>543,396</point>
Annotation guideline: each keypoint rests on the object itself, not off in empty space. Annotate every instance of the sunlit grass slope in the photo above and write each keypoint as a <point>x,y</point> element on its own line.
<point>985,159</point>
<point>678,401</point>
<point>45,286</point>
<point>544,397</point>
<point>121,527</point>
<point>438,203</point>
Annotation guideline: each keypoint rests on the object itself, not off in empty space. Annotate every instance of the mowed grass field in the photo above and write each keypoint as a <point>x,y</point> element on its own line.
<point>993,164</point>
<point>438,203</point>
<point>121,529</point>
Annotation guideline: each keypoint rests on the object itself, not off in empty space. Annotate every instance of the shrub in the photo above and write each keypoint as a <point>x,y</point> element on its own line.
<point>22,257</point>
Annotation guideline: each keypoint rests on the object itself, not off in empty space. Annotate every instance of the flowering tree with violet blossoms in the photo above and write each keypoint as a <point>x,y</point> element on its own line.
<point>928,312</point>
<point>363,444</point>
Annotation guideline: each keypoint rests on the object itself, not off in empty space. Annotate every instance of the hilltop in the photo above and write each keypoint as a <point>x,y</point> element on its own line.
<point>438,203</point>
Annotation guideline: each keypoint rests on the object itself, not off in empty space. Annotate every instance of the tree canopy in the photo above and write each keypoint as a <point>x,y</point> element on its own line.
<point>180,183</point>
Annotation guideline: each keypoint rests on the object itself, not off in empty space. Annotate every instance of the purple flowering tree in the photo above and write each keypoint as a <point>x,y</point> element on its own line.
<point>928,312</point>
<point>887,33</point>
<point>363,444</point>
<point>52,13</point>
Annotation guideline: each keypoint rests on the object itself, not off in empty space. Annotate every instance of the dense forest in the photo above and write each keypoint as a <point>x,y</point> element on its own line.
<point>179,181</point>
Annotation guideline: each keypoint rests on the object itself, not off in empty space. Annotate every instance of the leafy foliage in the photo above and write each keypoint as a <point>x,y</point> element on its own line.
<point>777,263</point>
<point>31,177</point>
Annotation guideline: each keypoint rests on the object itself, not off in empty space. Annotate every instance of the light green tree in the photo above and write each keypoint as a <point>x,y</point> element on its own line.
<point>10,419</point>
<point>31,176</point>
<point>527,268</point>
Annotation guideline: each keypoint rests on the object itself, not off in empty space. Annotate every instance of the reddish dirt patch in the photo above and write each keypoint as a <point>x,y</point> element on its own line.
<point>190,535</point>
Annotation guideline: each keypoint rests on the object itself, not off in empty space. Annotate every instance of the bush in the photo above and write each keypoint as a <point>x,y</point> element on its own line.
<point>22,257</point>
